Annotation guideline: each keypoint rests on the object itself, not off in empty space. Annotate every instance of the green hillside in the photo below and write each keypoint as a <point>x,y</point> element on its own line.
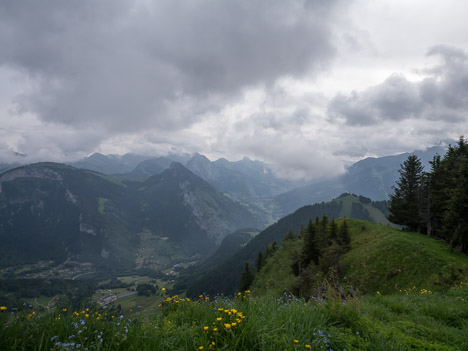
<point>225,277</point>
<point>381,259</point>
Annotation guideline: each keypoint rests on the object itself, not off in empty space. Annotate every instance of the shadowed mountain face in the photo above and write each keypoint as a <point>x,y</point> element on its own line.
<point>55,212</point>
<point>251,180</point>
<point>179,201</point>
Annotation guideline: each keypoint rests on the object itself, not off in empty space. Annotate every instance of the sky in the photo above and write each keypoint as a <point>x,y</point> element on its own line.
<point>306,85</point>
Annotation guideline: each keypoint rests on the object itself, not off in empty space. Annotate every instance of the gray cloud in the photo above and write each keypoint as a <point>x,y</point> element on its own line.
<point>442,95</point>
<point>129,65</point>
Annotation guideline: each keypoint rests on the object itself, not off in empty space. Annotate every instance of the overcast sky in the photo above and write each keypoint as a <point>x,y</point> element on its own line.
<point>305,85</point>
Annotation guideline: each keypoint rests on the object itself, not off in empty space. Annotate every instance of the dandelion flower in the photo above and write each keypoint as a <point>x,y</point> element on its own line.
<point>2,308</point>
<point>227,326</point>
<point>296,341</point>
<point>206,328</point>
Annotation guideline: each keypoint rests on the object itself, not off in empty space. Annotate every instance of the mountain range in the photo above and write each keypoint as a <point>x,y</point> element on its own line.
<point>51,211</point>
<point>134,211</point>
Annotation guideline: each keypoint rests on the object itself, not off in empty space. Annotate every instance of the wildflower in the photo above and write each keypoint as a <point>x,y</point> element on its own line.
<point>54,337</point>
<point>219,319</point>
<point>215,330</point>
<point>206,328</point>
<point>227,326</point>
<point>86,315</point>
<point>378,292</point>
<point>200,347</point>
<point>296,341</point>
<point>307,347</point>
<point>234,324</point>
<point>163,289</point>
<point>2,308</point>
<point>64,310</point>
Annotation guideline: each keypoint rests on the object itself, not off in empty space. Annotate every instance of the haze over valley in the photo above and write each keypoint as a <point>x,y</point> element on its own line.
<point>233,175</point>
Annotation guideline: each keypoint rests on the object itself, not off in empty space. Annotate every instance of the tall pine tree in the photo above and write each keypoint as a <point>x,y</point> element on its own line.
<point>311,250</point>
<point>404,203</point>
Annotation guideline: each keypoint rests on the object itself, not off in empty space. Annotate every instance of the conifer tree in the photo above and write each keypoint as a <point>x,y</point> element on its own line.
<point>333,229</point>
<point>404,203</point>
<point>246,278</point>
<point>344,237</point>
<point>290,235</point>
<point>311,251</point>
<point>260,261</point>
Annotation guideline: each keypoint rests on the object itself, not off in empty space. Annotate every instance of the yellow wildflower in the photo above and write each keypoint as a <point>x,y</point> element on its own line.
<point>205,328</point>
<point>296,341</point>
<point>200,347</point>
<point>219,319</point>
<point>64,310</point>
<point>307,347</point>
<point>227,326</point>
<point>2,308</point>
<point>163,289</point>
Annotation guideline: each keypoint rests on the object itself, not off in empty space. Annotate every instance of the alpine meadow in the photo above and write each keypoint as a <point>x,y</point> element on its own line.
<point>233,176</point>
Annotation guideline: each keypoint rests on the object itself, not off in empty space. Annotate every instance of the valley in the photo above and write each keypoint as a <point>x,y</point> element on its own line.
<point>162,247</point>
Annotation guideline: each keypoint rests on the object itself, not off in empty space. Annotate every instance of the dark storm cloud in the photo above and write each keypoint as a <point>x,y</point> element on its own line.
<point>443,95</point>
<point>128,65</point>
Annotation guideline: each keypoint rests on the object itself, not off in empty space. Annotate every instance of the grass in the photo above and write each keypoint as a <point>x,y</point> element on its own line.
<point>412,320</point>
<point>390,260</point>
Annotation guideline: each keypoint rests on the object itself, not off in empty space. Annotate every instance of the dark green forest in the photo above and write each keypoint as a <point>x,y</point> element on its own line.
<point>435,202</point>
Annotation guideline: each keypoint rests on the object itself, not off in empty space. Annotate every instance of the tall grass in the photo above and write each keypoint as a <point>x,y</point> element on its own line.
<point>411,320</point>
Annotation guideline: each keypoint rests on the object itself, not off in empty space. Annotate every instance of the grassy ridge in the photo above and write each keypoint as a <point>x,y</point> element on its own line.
<point>416,320</point>
<point>386,259</point>
<point>381,259</point>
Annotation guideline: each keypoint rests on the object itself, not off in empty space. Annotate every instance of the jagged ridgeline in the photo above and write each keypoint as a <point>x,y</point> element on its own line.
<point>50,211</point>
<point>225,277</point>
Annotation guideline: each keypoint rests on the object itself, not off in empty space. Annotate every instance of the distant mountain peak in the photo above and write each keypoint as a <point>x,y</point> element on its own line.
<point>199,158</point>
<point>177,167</point>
